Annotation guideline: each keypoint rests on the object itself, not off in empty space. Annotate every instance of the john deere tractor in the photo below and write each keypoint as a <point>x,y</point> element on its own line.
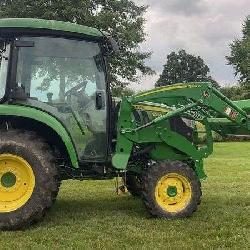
<point>58,121</point>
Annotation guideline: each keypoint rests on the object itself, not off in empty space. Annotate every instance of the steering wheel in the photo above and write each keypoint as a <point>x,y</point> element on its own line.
<point>82,99</point>
<point>74,90</point>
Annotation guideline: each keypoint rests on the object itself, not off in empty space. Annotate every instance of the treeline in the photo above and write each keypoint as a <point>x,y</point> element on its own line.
<point>182,67</point>
<point>237,92</point>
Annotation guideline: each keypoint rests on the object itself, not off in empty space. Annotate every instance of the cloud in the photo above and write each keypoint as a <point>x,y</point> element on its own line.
<point>202,27</point>
<point>180,7</point>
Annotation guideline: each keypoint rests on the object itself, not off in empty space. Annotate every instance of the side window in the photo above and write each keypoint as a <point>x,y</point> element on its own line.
<point>48,73</point>
<point>47,83</point>
<point>57,89</point>
<point>90,88</point>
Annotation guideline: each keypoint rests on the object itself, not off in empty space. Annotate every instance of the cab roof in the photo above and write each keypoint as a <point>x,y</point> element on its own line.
<point>36,26</point>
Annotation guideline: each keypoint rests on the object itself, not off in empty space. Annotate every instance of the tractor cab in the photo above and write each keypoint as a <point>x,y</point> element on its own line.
<point>59,68</point>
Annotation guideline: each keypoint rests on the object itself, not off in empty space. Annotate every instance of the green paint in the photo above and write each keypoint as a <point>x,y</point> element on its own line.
<point>199,170</point>
<point>50,25</point>
<point>171,191</point>
<point>161,151</point>
<point>32,113</point>
<point>8,180</point>
<point>243,104</point>
<point>198,101</point>
<point>124,145</point>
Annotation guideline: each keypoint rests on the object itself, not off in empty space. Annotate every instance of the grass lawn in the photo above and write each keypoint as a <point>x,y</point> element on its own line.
<point>89,214</point>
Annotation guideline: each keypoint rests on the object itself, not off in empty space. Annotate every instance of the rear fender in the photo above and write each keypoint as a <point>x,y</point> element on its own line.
<point>45,118</point>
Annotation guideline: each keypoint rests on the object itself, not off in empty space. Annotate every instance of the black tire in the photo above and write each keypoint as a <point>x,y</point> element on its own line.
<point>133,184</point>
<point>150,182</point>
<point>39,156</point>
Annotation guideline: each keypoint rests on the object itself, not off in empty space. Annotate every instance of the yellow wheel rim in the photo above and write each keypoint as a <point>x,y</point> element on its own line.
<point>17,182</point>
<point>173,192</point>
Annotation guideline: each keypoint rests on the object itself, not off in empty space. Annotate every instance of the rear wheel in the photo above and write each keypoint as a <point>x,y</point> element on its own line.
<point>29,180</point>
<point>171,189</point>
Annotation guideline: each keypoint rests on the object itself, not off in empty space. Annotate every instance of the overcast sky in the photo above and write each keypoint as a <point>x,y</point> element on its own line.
<point>201,27</point>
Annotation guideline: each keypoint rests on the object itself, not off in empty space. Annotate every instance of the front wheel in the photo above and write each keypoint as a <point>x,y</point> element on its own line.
<point>133,183</point>
<point>171,189</point>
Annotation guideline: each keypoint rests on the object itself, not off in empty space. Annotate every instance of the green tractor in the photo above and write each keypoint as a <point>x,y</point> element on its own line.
<point>58,121</point>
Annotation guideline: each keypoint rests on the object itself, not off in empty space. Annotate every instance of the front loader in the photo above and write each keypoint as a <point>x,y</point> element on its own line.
<point>58,121</point>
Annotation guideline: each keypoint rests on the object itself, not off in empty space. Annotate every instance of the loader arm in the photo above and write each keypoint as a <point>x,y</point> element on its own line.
<point>225,127</point>
<point>195,101</point>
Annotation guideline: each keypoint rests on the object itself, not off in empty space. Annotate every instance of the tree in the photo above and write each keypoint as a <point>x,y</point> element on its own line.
<point>233,93</point>
<point>122,19</point>
<point>182,67</point>
<point>237,92</point>
<point>240,54</point>
<point>123,91</point>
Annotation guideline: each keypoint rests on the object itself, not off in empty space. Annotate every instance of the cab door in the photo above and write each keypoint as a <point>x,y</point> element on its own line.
<point>66,78</point>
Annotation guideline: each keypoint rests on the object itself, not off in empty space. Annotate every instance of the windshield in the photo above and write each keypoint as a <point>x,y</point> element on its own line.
<point>4,57</point>
<point>63,77</point>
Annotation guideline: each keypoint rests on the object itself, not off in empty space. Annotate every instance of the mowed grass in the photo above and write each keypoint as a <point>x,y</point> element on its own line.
<point>89,215</point>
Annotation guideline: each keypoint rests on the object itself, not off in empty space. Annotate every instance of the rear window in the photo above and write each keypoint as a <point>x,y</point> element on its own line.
<point>4,58</point>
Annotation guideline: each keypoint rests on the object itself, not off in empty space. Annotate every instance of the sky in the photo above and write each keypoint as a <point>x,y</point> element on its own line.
<point>201,27</point>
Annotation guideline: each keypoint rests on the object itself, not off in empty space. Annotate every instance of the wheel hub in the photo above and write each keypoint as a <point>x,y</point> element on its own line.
<point>173,192</point>
<point>8,180</point>
<point>17,182</point>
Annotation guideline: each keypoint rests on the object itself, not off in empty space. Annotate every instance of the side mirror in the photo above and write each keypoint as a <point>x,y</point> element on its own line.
<point>110,46</point>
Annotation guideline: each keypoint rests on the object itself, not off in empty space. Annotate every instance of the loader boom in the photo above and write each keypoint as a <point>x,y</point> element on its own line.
<point>198,102</point>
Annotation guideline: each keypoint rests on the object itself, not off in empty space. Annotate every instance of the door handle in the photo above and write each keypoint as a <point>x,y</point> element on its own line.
<point>99,104</point>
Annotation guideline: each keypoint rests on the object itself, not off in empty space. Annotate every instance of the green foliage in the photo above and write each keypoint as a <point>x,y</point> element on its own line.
<point>240,54</point>
<point>122,19</point>
<point>122,91</point>
<point>233,93</point>
<point>238,92</point>
<point>182,67</point>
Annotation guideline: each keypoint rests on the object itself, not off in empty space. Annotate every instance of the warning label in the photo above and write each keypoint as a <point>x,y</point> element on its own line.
<point>231,113</point>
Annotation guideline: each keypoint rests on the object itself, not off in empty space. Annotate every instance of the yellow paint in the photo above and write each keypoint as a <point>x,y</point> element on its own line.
<point>14,197</point>
<point>181,200</point>
<point>147,107</point>
<point>167,88</point>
